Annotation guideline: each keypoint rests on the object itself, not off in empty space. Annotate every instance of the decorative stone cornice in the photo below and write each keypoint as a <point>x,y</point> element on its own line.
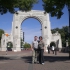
<point>35,12</point>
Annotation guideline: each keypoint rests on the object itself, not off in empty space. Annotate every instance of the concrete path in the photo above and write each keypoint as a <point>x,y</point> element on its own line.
<point>22,61</point>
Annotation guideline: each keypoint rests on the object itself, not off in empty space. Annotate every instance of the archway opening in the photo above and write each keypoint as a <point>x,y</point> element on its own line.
<point>52,44</point>
<point>30,27</point>
<point>9,46</point>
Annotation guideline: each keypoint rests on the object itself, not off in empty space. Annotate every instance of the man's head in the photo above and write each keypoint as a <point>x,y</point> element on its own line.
<point>35,38</point>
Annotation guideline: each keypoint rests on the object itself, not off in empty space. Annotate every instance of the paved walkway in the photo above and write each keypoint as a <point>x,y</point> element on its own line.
<point>22,61</point>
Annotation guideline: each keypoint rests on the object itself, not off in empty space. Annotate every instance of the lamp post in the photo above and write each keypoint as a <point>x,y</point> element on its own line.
<point>66,43</point>
<point>69,28</point>
<point>69,19</point>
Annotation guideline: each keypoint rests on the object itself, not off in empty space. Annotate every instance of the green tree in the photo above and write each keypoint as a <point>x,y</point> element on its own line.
<point>27,45</point>
<point>1,32</point>
<point>21,43</point>
<point>54,30</point>
<point>55,7</point>
<point>10,5</point>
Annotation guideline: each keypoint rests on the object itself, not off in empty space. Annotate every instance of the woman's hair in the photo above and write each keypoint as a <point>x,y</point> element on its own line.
<point>40,37</point>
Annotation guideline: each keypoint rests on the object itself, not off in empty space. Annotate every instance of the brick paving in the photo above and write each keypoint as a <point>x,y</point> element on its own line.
<point>22,61</point>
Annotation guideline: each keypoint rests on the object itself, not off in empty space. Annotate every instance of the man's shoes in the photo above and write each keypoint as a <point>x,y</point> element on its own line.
<point>34,62</point>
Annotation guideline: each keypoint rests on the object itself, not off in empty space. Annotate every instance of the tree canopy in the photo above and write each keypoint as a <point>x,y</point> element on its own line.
<point>10,5</point>
<point>1,32</point>
<point>27,45</point>
<point>55,7</point>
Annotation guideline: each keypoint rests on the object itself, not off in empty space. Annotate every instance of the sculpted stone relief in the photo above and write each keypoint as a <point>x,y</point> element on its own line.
<point>22,18</point>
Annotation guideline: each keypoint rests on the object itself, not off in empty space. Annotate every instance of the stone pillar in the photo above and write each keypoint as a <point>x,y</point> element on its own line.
<point>60,42</point>
<point>49,29</point>
<point>46,31</point>
<point>3,43</point>
<point>44,34</point>
<point>16,34</point>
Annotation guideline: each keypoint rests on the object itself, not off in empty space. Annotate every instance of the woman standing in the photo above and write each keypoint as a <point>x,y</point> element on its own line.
<point>41,50</point>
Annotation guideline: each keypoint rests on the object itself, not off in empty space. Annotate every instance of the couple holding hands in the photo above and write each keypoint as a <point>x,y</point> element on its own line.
<point>38,50</point>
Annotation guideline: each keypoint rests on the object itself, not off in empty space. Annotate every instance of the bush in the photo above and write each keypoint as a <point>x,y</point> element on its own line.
<point>65,49</point>
<point>26,45</point>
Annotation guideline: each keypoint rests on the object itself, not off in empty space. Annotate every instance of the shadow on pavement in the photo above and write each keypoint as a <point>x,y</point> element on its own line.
<point>8,58</point>
<point>28,59</point>
<point>4,58</point>
<point>56,58</point>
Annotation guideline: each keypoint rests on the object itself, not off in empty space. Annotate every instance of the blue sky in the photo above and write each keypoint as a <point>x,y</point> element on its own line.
<point>31,26</point>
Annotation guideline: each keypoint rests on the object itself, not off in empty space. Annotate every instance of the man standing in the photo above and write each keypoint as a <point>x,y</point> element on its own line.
<point>34,48</point>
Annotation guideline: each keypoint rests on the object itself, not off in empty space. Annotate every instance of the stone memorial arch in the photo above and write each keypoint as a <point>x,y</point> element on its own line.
<point>15,36</point>
<point>21,16</point>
